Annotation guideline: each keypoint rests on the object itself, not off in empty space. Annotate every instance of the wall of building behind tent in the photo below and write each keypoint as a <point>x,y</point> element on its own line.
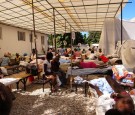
<point>9,41</point>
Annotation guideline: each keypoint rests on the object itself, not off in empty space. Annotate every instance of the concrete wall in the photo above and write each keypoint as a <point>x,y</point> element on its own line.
<point>10,43</point>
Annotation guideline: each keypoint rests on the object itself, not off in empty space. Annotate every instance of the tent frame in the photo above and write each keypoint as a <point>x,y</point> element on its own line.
<point>73,18</point>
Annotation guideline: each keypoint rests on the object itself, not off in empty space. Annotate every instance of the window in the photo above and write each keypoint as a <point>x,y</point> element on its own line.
<point>42,40</point>
<point>21,36</point>
<point>31,37</point>
<point>0,33</point>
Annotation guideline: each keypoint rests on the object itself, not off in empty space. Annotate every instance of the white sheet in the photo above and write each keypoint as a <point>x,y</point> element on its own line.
<point>103,85</point>
<point>103,104</point>
<point>8,81</point>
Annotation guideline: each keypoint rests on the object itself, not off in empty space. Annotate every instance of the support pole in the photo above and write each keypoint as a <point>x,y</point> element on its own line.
<point>71,45</point>
<point>121,24</point>
<point>52,39</point>
<point>65,26</point>
<point>31,38</point>
<point>54,29</point>
<point>71,78</point>
<point>64,36</point>
<point>35,37</point>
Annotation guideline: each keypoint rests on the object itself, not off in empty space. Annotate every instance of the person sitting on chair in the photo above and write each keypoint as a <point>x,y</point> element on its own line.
<point>48,75</point>
<point>17,59</point>
<point>33,55</point>
<point>57,70</point>
<point>77,53</point>
<point>5,60</point>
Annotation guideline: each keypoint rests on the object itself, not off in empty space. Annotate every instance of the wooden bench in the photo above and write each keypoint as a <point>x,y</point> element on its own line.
<point>18,75</point>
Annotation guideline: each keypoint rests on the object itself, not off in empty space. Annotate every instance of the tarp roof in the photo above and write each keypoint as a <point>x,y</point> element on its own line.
<point>81,15</point>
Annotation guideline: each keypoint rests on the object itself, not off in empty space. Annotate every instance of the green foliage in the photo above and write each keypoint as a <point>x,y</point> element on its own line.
<point>93,37</point>
<point>78,38</point>
<point>67,38</point>
<point>85,39</point>
<point>50,39</point>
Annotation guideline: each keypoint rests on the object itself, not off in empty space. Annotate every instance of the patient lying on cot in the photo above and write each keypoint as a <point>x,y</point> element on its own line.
<point>117,103</point>
<point>89,64</point>
<point>122,76</point>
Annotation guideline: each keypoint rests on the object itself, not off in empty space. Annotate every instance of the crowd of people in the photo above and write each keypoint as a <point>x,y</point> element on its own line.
<point>77,52</point>
<point>50,67</point>
<point>14,59</point>
<point>51,72</point>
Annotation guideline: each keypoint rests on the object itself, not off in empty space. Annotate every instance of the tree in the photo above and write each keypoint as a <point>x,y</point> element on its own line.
<point>50,39</point>
<point>78,38</point>
<point>94,37</point>
<point>85,39</point>
<point>67,38</point>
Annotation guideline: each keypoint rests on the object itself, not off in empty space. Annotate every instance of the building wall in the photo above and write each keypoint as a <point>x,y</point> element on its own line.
<point>10,43</point>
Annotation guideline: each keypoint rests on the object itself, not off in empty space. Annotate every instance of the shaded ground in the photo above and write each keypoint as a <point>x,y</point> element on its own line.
<point>37,102</point>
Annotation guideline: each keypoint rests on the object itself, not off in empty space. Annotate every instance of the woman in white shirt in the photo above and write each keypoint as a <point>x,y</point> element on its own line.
<point>48,75</point>
<point>33,55</point>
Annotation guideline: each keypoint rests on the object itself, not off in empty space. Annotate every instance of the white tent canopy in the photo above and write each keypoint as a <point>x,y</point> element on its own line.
<point>80,15</point>
<point>130,28</point>
<point>111,37</point>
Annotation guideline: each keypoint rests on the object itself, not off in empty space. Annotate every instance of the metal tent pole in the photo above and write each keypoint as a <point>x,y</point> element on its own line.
<point>54,29</point>
<point>65,34</point>
<point>71,45</point>
<point>31,38</point>
<point>35,37</point>
<point>121,24</point>
<point>65,26</point>
<point>52,39</point>
<point>71,78</point>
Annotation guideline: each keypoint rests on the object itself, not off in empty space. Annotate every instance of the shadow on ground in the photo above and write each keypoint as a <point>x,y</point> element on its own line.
<point>29,103</point>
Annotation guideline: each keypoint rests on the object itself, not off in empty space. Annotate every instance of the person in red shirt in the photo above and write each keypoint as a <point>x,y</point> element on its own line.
<point>103,58</point>
<point>77,53</point>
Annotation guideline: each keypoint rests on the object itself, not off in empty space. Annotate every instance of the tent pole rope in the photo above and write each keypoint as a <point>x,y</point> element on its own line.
<point>35,37</point>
